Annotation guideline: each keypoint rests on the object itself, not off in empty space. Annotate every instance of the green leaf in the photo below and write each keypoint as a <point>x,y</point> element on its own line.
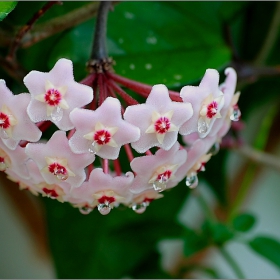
<point>267,247</point>
<point>243,222</point>
<point>174,49</point>
<point>221,233</point>
<point>193,242</point>
<point>6,7</point>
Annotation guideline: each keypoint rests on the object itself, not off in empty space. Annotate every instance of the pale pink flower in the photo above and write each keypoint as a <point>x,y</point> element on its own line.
<point>159,119</point>
<point>13,160</point>
<point>57,162</point>
<point>55,94</point>
<point>207,100</point>
<point>157,171</point>
<point>103,131</point>
<point>198,155</point>
<point>15,125</point>
<point>141,201</point>
<point>107,191</point>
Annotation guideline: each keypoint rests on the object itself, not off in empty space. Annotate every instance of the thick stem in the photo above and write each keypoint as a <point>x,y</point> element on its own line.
<point>117,167</point>
<point>127,98</point>
<point>129,152</point>
<point>232,263</point>
<point>99,50</point>
<point>142,89</point>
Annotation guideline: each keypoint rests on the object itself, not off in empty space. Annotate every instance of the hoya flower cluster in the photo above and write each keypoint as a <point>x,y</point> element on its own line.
<point>79,163</point>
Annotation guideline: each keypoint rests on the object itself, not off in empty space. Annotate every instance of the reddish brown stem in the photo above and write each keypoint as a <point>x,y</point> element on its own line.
<point>71,132</point>
<point>43,126</point>
<point>143,89</point>
<point>89,169</point>
<point>129,152</point>
<point>112,93</point>
<point>16,43</point>
<point>149,153</point>
<point>127,98</point>
<point>89,80</point>
<point>117,167</point>
<point>106,166</point>
<point>102,88</point>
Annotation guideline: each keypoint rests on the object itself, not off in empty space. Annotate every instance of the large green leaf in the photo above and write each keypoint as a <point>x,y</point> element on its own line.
<point>267,247</point>
<point>6,7</point>
<point>174,47</point>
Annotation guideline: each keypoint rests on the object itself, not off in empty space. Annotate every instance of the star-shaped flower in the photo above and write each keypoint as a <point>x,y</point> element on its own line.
<point>157,171</point>
<point>13,160</point>
<point>106,190</point>
<point>57,162</point>
<point>55,94</point>
<point>102,131</point>
<point>207,100</point>
<point>159,119</point>
<point>15,125</point>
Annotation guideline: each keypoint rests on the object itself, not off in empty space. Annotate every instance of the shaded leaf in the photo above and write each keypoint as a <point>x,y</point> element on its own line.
<point>243,222</point>
<point>267,247</point>
<point>6,7</point>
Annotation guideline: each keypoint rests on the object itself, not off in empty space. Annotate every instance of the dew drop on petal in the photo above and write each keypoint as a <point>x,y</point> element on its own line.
<point>235,115</point>
<point>3,166</point>
<point>159,185</point>
<point>215,149</point>
<point>4,134</point>
<point>140,208</point>
<point>57,114</point>
<point>192,180</point>
<point>91,148</point>
<point>202,126</point>
<point>60,174</point>
<point>104,208</point>
<point>85,210</point>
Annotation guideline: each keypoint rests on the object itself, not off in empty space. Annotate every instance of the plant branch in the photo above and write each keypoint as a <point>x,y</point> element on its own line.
<point>99,50</point>
<point>18,38</point>
<point>271,37</point>
<point>259,157</point>
<point>235,267</point>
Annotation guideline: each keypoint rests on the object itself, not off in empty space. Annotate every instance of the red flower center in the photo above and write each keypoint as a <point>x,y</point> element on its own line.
<point>2,160</point>
<point>4,120</point>
<point>56,169</point>
<point>102,137</point>
<point>53,97</point>
<point>165,176</point>
<point>202,167</point>
<point>106,199</point>
<point>212,109</point>
<point>49,192</point>
<point>162,125</point>
<point>148,199</point>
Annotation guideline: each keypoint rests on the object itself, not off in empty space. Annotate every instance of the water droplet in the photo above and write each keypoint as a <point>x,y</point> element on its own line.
<point>140,208</point>
<point>85,210</point>
<point>215,149</point>
<point>160,185</point>
<point>192,180</point>
<point>104,208</point>
<point>4,134</point>
<point>60,174</point>
<point>202,126</point>
<point>91,148</point>
<point>236,114</point>
<point>57,114</point>
<point>3,166</point>
<point>148,66</point>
